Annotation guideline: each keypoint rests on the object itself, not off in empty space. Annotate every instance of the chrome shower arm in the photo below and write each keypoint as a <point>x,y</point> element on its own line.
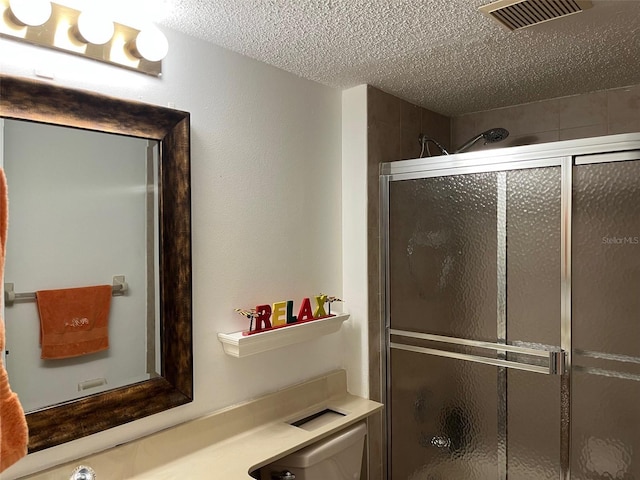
<point>423,139</point>
<point>469,144</point>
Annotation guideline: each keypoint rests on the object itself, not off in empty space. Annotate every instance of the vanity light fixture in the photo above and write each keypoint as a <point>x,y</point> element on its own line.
<point>88,33</point>
<point>29,12</point>
<point>151,44</point>
<point>94,27</point>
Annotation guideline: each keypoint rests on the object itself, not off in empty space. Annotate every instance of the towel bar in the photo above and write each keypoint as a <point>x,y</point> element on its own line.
<point>120,287</point>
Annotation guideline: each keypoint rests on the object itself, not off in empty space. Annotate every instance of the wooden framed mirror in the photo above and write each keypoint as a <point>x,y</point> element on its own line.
<point>28,100</point>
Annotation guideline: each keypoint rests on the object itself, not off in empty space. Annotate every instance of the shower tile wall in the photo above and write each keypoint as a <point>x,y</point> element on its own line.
<point>393,129</point>
<point>580,116</point>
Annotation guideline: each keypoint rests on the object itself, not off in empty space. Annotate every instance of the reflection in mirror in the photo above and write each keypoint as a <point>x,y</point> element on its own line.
<point>153,198</point>
<point>83,209</point>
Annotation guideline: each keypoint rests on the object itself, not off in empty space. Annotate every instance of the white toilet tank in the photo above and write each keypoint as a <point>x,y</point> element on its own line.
<point>338,457</point>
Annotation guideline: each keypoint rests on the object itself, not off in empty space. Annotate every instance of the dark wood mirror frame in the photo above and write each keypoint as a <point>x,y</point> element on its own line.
<point>22,99</point>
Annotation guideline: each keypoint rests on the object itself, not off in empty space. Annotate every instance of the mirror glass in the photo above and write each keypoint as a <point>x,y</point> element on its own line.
<point>114,203</point>
<point>83,209</point>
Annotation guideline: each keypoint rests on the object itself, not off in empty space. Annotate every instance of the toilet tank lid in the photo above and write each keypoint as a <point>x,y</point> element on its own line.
<point>325,448</point>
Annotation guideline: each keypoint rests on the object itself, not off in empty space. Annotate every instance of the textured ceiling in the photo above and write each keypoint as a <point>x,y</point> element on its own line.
<point>441,54</point>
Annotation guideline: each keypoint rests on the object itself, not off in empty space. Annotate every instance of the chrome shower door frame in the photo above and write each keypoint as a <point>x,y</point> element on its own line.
<point>565,155</point>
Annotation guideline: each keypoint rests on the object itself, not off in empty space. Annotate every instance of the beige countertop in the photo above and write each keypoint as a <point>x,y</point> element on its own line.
<point>233,442</point>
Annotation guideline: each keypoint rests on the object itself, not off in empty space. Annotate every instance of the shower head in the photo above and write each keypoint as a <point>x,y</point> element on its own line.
<point>495,135</point>
<point>490,136</point>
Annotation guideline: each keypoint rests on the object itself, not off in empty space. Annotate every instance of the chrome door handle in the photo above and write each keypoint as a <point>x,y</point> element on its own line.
<point>557,362</point>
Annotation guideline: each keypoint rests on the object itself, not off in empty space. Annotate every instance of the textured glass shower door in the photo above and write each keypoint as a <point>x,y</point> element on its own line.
<point>474,316</point>
<point>512,314</point>
<point>605,392</point>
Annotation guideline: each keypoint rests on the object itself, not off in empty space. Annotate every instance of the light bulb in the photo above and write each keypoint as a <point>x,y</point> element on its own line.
<point>30,12</point>
<point>94,28</point>
<point>151,44</point>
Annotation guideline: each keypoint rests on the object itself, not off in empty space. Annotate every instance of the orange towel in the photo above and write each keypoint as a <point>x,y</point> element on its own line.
<point>74,321</point>
<point>14,435</point>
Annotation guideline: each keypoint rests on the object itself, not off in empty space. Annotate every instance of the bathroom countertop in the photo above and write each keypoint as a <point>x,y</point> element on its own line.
<point>233,442</point>
<point>240,454</point>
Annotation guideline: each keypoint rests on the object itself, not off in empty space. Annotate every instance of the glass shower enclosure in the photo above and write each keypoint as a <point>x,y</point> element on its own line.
<point>511,308</point>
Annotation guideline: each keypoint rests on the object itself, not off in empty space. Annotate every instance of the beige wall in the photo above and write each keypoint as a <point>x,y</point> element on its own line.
<point>594,114</point>
<point>266,213</point>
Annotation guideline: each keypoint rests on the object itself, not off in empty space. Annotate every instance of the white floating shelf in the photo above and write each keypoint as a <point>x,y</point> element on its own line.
<point>238,345</point>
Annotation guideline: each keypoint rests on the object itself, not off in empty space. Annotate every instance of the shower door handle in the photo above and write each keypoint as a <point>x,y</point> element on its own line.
<point>556,357</point>
<point>557,362</point>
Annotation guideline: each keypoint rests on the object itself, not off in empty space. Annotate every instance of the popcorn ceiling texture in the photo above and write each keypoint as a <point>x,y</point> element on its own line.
<point>443,55</point>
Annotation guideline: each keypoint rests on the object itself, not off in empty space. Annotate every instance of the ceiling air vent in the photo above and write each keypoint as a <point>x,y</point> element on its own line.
<point>515,14</point>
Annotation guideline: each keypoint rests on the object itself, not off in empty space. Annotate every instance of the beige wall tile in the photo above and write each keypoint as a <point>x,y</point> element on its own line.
<point>410,129</point>
<point>499,118</point>
<point>385,142</point>
<point>462,129</point>
<point>581,116</point>
<point>529,139</point>
<point>624,110</point>
<point>630,127</point>
<point>437,127</point>
<point>375,425</point>
<point>383,107</point>
<point>373,219</point>
<point>583,110</point>
<point>466,127</point>
<point>533,118</point>
<point>583,132</point>
<point>520,120</point>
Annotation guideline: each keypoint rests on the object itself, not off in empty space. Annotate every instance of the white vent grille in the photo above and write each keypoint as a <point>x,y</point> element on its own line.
<point>515,14</point>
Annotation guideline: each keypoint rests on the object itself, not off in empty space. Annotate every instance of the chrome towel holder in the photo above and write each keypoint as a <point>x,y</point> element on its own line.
<point>119,287</point>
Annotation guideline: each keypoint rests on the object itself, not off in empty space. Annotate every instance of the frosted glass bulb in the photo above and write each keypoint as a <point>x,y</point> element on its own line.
<point>95,28</point>
<point>31,12</point>
<point>151,44</point>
